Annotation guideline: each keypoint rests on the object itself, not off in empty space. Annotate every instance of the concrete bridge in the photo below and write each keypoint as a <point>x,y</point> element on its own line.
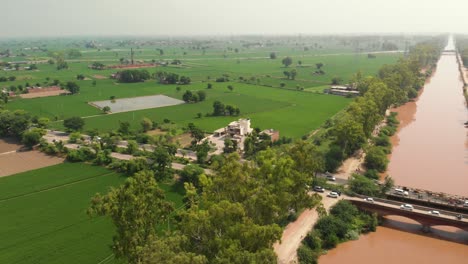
<point>419,214</point>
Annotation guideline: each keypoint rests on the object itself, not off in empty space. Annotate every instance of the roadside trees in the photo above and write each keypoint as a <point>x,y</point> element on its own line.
<point>75,123</point>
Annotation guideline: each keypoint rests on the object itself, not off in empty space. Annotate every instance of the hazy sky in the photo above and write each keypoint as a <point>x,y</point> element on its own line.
<point>228,17</point>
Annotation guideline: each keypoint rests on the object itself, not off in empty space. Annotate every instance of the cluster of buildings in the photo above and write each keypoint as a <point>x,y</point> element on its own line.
<point>238,131</point>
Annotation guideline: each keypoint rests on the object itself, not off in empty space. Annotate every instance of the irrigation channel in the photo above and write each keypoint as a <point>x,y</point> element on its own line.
<point>430,151</point>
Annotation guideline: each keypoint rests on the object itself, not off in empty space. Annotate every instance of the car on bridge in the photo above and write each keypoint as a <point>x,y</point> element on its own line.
<point>408,207</point>
<point>434,212</point>
<point>369,199</point>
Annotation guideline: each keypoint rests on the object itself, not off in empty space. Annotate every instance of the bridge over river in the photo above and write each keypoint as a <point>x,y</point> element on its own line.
<point>420,214</point>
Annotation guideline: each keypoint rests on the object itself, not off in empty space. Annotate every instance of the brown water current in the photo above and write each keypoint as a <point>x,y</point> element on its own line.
<point>430,151</point>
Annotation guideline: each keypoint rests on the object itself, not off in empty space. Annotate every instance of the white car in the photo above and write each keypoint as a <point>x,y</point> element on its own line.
<point>434,212</point>
<point>333,195</point>
<point>369,199</point>
<point>331,178</point>
<point>408,207</point>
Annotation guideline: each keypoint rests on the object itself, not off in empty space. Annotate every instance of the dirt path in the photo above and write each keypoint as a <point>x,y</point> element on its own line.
<point>296,231</point>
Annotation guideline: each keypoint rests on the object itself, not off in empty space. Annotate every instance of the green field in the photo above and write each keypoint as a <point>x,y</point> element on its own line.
<point>294,113</point>
<point>43,215</point>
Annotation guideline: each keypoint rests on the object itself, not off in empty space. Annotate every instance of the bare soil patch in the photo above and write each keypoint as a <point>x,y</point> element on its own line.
<point>44,94</point>
<point>17,162</point>
<point>184,140</point>
<point>156,132</point>
<point>99,77</point>
<point>9,144</point>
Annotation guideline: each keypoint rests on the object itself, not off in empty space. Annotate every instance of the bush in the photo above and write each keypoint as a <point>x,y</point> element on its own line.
<point>307,255</point>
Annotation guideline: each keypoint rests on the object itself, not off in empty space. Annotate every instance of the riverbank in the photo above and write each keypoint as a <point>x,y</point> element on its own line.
<point>463,74</point>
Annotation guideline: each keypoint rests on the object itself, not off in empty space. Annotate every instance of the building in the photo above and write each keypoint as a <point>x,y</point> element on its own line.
<point>274,134</point>
<point>240,127</point>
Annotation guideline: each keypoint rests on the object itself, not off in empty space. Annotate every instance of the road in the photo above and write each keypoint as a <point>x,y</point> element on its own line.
<point>297,230</point>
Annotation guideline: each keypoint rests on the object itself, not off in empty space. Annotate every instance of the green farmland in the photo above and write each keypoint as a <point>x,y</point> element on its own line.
<point>44,215</point>
<point>294,113</point>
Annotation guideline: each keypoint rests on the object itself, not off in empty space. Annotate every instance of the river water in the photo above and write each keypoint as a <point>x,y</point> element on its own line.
<point>430,151</point>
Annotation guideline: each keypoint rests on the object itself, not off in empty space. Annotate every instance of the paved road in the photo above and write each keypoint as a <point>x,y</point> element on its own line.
<point>418,209</point>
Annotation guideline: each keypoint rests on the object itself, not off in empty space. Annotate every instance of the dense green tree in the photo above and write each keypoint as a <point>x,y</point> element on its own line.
<point>376,159</point>
<point>74,123</point>
<point>362,185</point>
<point>72,87</point>
<point>136,208</point>
<point>106,109</point>
<point>32,137</point>
<point>349,134</point>
<point>287,61</point>
<point>132,76</point>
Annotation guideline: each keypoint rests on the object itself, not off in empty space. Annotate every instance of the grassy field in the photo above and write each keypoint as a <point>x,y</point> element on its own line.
<point>44,215</point>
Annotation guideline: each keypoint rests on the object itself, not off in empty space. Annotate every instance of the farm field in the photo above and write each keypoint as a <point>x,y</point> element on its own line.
<point>44,215</point>
<point>13,161</point>
<point>261,90</point>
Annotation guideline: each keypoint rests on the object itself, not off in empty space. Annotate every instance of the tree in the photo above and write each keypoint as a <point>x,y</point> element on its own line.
<point>336,80</point>
<point>184,80</point>
<point>124,127</point>
<point>136,208</point>
<point>202,152</point>
<point>32,137</point>
<point>293,74</point>
<point>349,134</point>
<point>43,122</point>
<point>273,55</point>
<point>201,95</point>
<point>75,123</point>
<point>287,61</point>
<point>80,77</point>
<point>230,145</point>
<point>162,157</point>
<point>209,86</point>
<point>319,65</point>
<point>287,74</point>
<point>132,76</point>
<point>146,124</point>
<point>307,158</point>
<point>191,174</point>
<point>73,54</point>
<point>106,109</point>
<point>170,249</point>
<point>178,88</point>
<point>14,123</point>
<point>72,87</point>
<point>230,87</point>
<point>218,108</point>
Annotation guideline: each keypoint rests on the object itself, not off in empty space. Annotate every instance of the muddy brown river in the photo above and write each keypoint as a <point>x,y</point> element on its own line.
<point>430,152</point>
